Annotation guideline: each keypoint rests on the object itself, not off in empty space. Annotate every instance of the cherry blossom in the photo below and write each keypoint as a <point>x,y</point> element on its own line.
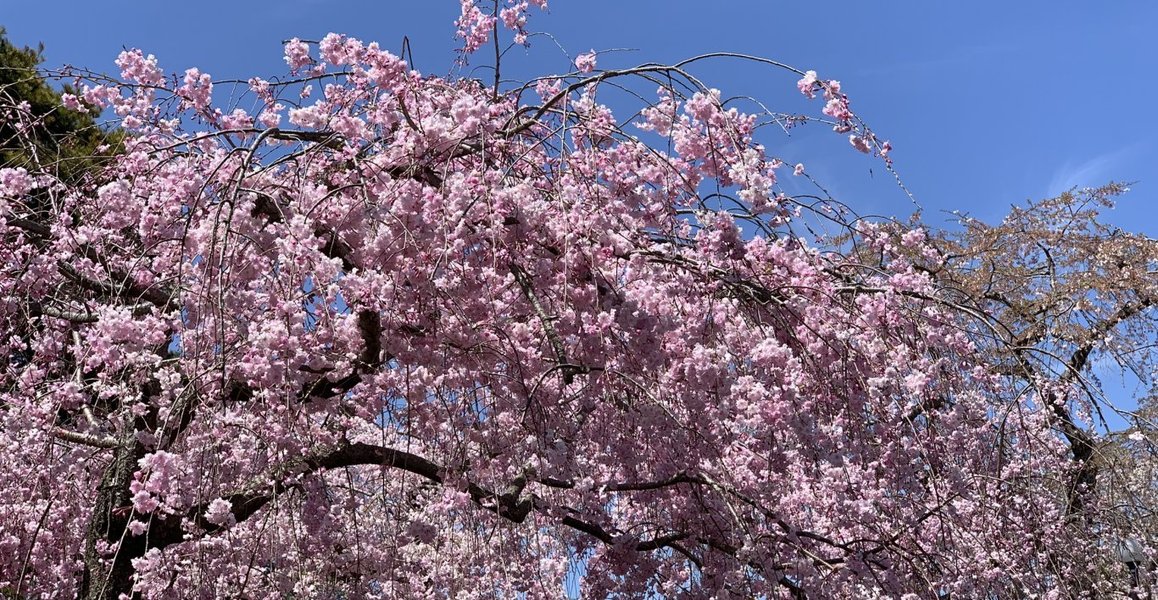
<point>585,62</point>
<point>373,333</point>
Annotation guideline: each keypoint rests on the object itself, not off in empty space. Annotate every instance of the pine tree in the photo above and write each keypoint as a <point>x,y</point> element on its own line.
<point>69,140</point>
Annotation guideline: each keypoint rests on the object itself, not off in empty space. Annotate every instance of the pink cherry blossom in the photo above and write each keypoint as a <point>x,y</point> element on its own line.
<point>297,54</point>
<point>71,101</point>
<point>859,143</point>
<point>14,182</point>
<point>219,512</point>
<point>585,62</point>
<point>476,21</point>
<point>138,527</point>
<point>807,84</point>
<point>197,89</point>
<point>369,332</point>
<point>138,68</point>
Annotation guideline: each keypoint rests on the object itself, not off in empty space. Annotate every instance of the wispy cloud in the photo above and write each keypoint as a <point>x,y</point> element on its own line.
<point>1091,172</point>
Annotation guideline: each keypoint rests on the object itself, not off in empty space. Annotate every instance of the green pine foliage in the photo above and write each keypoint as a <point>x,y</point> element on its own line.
<point>68,143</point>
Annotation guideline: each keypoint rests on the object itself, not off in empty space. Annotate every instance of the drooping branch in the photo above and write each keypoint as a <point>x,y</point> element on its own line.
<point>510,504</point>
<point>528,288</point>
<point>246,502</point>
<point>1078,360</point>
<point>629,486</point>
<point>120,284</point>
<point>85,439</point>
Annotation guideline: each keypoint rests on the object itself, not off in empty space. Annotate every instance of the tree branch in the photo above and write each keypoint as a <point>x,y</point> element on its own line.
<point>527,286</point>
<point>85,439</point>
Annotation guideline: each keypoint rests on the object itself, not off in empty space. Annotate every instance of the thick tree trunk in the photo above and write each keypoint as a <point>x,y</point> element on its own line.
<point>108,578</point>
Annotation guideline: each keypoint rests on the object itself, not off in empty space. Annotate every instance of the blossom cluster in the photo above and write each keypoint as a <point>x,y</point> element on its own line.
<point>413,334</point>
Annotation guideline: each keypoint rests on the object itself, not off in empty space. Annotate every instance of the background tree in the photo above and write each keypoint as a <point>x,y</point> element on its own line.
<point>378,334</point>
<point>69,139</point>
<point>39,133</point>
<point>1055,292</point>
<point>1127,464</point>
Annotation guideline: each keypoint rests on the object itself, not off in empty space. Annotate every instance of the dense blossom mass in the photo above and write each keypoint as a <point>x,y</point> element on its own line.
<point>373,333</point>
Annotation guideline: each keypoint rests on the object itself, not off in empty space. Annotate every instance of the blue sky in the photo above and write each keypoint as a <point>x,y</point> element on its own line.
<point>987,103</point>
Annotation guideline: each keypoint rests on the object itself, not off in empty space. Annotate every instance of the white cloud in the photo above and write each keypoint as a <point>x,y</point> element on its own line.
<point>1092,172</point>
